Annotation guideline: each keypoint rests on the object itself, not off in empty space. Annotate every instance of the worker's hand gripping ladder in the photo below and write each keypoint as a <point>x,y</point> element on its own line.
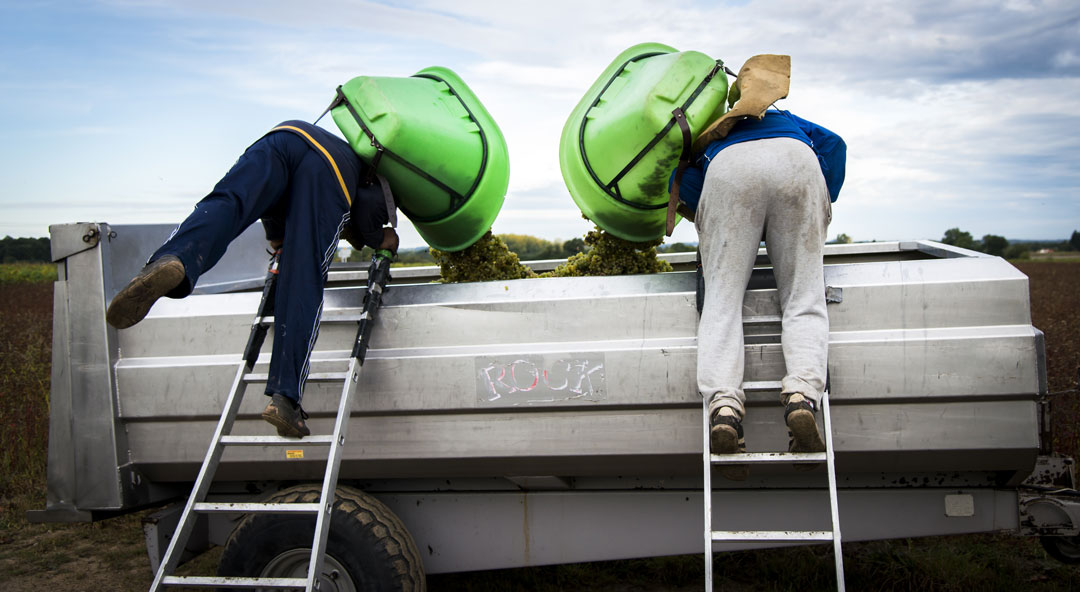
<point>749,458</point>
<point>378,276</point>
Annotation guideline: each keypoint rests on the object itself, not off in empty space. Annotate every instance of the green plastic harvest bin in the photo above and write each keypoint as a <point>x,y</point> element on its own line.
<point>623,111</point>
<point>444,156</point>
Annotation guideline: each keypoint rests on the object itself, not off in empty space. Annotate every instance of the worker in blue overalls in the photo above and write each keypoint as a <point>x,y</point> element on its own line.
<point>309,188</point>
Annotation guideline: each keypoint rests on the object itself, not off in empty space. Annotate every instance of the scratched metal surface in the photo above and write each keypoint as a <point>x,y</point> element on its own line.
<point>934,367</point>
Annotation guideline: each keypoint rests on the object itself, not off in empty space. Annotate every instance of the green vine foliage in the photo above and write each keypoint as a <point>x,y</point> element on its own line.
<point>489,259</point>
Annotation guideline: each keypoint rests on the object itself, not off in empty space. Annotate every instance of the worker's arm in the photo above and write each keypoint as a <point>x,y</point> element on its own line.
<point>390,240</point>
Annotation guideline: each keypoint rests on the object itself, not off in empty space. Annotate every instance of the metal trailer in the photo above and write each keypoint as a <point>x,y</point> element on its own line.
<point>543,421</point>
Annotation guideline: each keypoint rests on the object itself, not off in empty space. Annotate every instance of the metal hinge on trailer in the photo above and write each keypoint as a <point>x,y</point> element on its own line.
<point>378,276</point>
<point>709,460</point>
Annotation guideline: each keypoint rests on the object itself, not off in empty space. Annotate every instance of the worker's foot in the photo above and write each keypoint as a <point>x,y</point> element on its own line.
<point>726,437</point>
<point>134,301</point>
<point>288,417</point>
<point>802,428</point>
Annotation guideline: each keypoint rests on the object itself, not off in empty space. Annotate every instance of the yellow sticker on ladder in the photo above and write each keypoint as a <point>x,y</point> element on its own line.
<point>294,454</point>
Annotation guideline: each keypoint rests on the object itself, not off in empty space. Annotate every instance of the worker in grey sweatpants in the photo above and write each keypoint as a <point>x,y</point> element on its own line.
<point>771,187</point>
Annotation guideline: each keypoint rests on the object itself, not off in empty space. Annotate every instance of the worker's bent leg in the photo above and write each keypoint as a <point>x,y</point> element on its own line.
<point>799,214</point>
<point>729,221</point>
<point>257,180</point>
<point>316,214</point>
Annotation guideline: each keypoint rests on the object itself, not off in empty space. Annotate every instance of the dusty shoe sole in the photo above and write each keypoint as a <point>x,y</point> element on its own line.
<point>804,436</point>
<point>723,439</point>
<point>288,420</point>
<point>134,301</point>
<point>284,428</point>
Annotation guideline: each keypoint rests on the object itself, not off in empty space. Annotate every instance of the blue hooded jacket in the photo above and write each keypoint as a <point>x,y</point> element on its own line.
<point>830,149</point>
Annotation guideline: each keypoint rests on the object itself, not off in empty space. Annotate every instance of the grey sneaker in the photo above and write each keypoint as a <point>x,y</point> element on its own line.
<point>803,435</point>
<point>726,437</point>
<point>134,301</point>
<point>286,416</point>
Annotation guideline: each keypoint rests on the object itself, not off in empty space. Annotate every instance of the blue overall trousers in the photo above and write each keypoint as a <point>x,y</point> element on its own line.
<point>300,179</point>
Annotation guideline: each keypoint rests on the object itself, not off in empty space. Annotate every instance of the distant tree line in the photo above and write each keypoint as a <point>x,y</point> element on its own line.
<point>24,250</point>
<point>999,246</point>
<point>531,248</point>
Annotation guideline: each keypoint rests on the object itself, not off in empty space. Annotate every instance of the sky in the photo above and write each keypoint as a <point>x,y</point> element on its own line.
<point>956,113</point>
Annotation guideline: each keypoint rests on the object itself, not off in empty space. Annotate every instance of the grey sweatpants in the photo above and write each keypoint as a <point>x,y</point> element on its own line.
<point>773,185</point>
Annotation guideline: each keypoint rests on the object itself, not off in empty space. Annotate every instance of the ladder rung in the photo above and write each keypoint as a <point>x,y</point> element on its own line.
<point>354,317</point>
<point>320,440</point>
<point>229,582</point>
<point>268,321</point>
<point>719,536</point>
<point>251,507</point>
<point>762,385</point>
<point>314,377</point>
<point>767,457</point>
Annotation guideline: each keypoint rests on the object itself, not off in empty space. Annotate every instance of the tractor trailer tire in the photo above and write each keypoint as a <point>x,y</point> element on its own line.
<point>368,547</point>
<point>1065,549</point>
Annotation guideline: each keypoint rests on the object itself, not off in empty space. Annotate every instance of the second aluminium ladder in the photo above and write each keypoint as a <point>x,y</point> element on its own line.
<point>378,276</point>
<point>750,458</point>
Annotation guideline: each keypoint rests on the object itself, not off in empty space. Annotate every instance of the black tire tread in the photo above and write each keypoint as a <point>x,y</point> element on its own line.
<point>396,547</point>
<point>1053,548</point>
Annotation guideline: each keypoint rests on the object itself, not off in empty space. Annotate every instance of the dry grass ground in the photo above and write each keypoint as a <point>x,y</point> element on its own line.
<point>109,555</point>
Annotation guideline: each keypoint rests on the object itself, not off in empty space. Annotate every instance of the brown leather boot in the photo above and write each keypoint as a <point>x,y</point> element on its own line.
<point>286,416</point>
<point>803,435</point>
<point>134,301</point>
<point>726,437</point>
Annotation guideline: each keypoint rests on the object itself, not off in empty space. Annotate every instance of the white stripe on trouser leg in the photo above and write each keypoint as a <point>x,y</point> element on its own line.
<point>328,258</point>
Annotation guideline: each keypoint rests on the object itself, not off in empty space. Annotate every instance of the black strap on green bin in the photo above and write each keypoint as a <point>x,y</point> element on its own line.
<point>684,162</point>
<point>612,187</point>
<point>456,199</point>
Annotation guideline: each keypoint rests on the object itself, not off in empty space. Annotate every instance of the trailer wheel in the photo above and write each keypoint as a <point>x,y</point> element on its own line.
<point>1065,549</point>
<point>368,547</point>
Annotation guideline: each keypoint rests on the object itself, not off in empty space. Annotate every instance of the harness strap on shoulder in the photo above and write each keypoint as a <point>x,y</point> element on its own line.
<point>337,101</point>
<point>391,203</point>
<point>684,161</point>
<point>325,154</point>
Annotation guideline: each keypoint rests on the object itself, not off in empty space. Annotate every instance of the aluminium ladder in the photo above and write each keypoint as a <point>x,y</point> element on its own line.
<point>378,276</point>
<point>750,458</point>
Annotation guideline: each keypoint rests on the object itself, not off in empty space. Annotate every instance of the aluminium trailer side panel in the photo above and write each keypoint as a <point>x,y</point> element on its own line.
<point>89,463</point>
<point>933,362</point>
<point>87,458</point>
<point>933,365</point>
<point>463,531</point>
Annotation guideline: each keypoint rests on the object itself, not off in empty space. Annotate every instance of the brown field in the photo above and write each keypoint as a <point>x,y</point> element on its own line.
<point>109,555</point>
<point>1055,309</point>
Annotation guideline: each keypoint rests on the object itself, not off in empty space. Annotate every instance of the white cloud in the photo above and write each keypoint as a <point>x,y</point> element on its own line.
<point>960,103</point>
<point>1066,59</point>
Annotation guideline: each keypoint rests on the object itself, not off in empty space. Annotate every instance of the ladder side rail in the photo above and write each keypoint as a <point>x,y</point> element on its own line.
<point>378,277</point>
<point>202,483</point>
<point>834,507</point>
<point>224,426</point>
<point>707,495</point>
<point>329,486</point>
